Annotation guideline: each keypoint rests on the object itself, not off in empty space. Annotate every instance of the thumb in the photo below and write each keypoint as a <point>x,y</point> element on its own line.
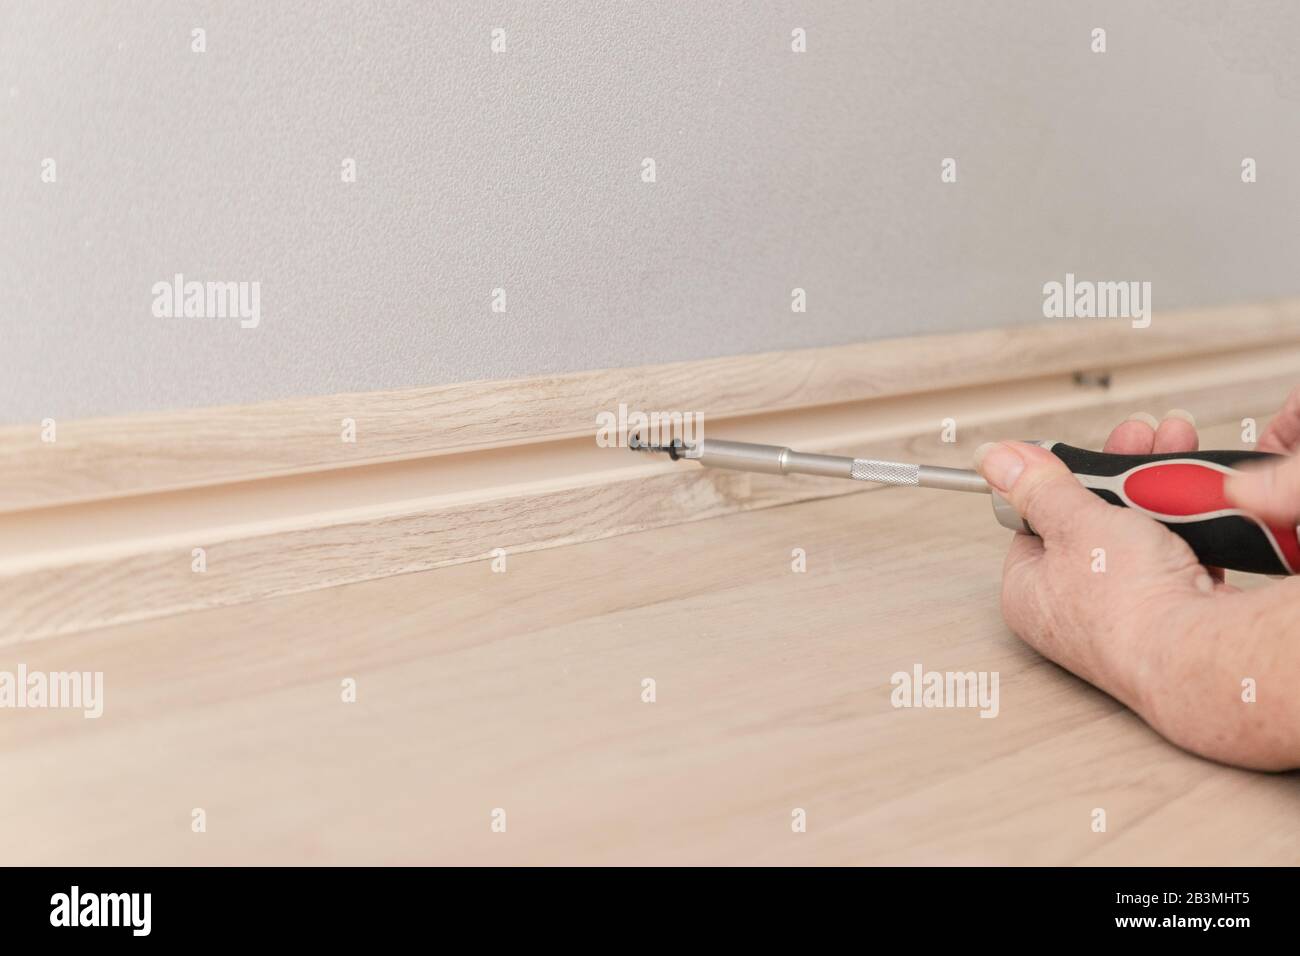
<point>1272,493</point>
<point>1037,484</point>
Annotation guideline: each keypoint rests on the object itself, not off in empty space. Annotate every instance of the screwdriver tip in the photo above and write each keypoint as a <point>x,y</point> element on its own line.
<point>674,449</point>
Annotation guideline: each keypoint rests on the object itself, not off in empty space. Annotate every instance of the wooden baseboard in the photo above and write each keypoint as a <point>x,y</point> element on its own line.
<point>142,454</point>
<point>101,526</point>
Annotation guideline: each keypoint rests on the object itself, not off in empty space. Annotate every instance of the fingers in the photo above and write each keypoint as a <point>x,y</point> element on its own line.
<point>1132,437</point>
<point>1024,551</point>
<point>1021,579</point>
<point>1272,493</point>
<point>1038,485</point>
<point>1141,434</point>
<point>1283,433</point>
<point>1176,433</point>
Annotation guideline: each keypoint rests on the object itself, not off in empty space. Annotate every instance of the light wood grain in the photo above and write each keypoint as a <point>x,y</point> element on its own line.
<point>522,690</point>
<point>147,453</point>
<point>90,565</point>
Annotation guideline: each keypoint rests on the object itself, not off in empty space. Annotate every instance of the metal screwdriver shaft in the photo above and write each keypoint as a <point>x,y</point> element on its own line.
<point>778,460</point>
<point>1184,491</point>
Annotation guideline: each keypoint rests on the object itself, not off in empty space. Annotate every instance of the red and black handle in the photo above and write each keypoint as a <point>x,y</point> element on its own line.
<point>1184,492</point>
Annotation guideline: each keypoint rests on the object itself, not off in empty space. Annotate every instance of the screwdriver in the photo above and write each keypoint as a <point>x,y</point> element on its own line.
<point>1181,490</point>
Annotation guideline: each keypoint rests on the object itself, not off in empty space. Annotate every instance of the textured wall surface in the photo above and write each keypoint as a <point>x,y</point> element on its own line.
<point>522,170</point>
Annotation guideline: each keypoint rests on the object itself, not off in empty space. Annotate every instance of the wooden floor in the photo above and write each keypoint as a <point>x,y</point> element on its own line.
<point>523,691</point>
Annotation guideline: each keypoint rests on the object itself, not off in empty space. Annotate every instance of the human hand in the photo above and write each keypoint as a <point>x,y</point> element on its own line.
<point>1124,603</point>
<point>1273,492</point>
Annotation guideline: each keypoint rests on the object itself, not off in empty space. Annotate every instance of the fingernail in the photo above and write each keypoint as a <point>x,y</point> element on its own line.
<point>999,465</point>
<point>1182,413</point>
<point>1144,418</point>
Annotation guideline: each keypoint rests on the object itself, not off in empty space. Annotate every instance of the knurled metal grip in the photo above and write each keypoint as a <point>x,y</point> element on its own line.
<point>885,472</point>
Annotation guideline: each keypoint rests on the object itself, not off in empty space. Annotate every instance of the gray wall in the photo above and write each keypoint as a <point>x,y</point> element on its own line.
<point>522,170</point>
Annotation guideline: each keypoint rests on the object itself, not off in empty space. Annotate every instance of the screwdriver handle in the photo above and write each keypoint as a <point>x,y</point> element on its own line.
<point>1184,492</point>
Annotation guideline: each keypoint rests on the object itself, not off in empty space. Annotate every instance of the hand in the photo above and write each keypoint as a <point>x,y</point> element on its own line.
<point>1273,492</point>
<point>1123,602</point>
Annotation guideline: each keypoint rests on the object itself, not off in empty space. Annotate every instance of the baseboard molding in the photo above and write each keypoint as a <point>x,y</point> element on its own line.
<point>447,476</point>
<point>103,458</point>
